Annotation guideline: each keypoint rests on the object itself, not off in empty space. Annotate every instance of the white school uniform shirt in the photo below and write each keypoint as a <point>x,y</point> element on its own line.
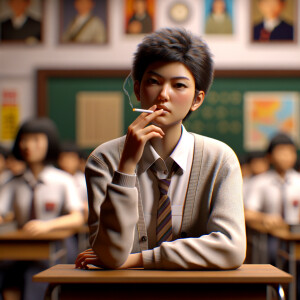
<point>80,183</point>
<point>265,194</point>
<point>55,195</point>
<point>183,156</point>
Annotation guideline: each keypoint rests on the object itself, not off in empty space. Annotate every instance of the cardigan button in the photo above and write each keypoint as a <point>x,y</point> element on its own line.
<point>183,234</point>
<point>144,238</point>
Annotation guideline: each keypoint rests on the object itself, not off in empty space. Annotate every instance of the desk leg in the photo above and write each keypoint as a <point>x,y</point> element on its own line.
<point>293,271</point>
<point>52,292</point>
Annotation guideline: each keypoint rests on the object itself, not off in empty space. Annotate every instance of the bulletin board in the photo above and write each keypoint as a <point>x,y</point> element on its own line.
<point>221,116</point>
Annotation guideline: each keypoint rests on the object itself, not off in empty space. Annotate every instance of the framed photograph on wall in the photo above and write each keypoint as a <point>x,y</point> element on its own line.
<point>218,17</point>
<point>273,21</point>
<point>83,21</point>
<point>21,21</point>
<point>139,16</point>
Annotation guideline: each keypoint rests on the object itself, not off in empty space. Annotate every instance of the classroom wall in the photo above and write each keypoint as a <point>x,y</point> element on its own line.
<point>19,63</point>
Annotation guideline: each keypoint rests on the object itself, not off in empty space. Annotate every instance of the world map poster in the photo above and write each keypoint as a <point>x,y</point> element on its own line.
<point>265,114</point>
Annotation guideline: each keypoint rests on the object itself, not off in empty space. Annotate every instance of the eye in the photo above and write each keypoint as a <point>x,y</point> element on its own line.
<point>180,85</point>
<point>152,81</point>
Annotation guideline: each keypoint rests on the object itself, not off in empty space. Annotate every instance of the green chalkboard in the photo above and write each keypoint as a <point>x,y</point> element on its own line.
<point>221,116</point>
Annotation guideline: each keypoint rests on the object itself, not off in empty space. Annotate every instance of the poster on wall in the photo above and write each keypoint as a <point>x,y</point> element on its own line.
<point>83,21</point>
<point>219,17</point>
<point>21,21</point>
<point>266,113</point>
<point>10,114</point>
<point>139,16</point>
<point>273,20</point>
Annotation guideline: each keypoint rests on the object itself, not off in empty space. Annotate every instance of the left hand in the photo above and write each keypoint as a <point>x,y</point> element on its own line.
<point>88,256</point>
<point>36,227</point>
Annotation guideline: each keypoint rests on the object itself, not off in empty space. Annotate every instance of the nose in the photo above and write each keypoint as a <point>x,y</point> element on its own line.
<point>164,94</point>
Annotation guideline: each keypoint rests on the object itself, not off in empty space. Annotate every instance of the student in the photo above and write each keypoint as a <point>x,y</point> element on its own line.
<point>5,174</point>
<point>69,160</point>
<point>172,72</point>
<point>274,196</point>
<point>43,199</point>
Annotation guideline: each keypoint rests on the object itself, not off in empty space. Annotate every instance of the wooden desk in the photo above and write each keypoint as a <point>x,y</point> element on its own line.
<point>289,249</point>
<point>20,245</point>
<point>247,282</point>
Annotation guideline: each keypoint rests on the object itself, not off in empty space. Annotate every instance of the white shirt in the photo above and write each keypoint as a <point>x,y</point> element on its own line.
<point>183,156</point>
<point>265,194</point>
<point>55,195</point>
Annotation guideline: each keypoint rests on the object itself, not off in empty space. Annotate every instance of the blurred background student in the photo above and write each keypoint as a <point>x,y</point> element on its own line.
<point>43,199</point>
<point>70,160</point>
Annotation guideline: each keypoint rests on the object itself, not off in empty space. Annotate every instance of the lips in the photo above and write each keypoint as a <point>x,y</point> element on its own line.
<point>162,107</point>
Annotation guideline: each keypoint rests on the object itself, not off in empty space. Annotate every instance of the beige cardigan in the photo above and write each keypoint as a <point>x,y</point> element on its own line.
<point>213,227</point>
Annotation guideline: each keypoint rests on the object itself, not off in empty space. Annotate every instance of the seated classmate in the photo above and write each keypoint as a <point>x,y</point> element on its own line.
<point>5,174</point>
<point>172,72</point>
<point>258,163</point>
<point>44,198</point>
<point>69,160</point>
<point>15,166</point>
<point>274,196</point>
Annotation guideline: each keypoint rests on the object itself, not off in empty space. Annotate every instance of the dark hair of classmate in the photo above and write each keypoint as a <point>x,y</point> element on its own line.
<point>39,125</point>
<point>279,139</point>
<point>175,45</point>
<point>68,146</point>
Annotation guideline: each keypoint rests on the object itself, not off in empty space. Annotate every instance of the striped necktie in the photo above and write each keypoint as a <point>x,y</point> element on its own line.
<point>164,212</point>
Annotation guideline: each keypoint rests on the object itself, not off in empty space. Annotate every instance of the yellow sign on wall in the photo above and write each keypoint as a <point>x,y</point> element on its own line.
<point>9,114</point>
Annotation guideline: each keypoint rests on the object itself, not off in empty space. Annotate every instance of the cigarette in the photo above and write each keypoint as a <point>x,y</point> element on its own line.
<point>143,110</point>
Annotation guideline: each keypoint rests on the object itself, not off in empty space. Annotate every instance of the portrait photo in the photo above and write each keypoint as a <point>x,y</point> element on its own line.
<point>21,21</point>
<point>273,20</point>
<point>218,17</point>
<point>83,21</point>
<point>139,16</point>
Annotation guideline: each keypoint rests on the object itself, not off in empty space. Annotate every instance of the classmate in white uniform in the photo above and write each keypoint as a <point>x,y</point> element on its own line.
<point>172,72</point>
<point>274,196</point>
<point>44,198</point>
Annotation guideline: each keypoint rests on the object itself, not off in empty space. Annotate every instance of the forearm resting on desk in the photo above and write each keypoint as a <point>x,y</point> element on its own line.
<point>71,221</point>
<point>88,256</point>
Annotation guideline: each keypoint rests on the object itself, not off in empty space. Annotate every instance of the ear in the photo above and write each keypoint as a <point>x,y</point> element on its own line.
<point>198,101</point>
<point>137,90</point>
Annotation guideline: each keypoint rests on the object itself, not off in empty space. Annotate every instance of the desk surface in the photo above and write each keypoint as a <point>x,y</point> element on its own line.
<point>64,273</point>
<point>21,235</point>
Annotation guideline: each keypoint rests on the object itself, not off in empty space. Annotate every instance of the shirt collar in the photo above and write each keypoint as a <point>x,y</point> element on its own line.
<point>179,154</point>
<point>31,180</point>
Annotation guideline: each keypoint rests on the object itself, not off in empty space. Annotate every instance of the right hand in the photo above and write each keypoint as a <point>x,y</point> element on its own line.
<point>137,136</point>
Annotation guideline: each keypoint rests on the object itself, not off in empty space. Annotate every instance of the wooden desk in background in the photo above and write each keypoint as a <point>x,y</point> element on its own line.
<point>247,282</point>
<point>20,245</point>
<point>289,249</point>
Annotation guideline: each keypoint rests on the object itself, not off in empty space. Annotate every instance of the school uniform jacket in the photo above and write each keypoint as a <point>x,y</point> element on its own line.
<point>213,226</point>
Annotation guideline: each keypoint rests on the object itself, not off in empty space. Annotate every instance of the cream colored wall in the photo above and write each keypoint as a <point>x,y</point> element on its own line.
<point>18,64</point>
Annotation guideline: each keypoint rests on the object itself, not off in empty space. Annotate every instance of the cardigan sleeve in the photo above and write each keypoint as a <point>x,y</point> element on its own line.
<point>113,211</point>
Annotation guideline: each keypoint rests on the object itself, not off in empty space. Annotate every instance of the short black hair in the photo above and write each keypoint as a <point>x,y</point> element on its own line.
<point>175,45</point>
<point>39,125</point>
<point>279,138</point>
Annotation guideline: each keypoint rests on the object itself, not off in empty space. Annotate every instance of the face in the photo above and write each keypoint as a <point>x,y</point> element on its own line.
<point>283,157</point>
<point>19,7</point>
<point>34,147</point>
<point>171,86</point>
<point>219,6</point>
<point>270,9</point>
<point>84,6</point>
<point>69,162</point>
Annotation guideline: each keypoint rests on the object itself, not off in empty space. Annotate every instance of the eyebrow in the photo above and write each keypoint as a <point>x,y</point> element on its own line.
<point>176,77</point>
